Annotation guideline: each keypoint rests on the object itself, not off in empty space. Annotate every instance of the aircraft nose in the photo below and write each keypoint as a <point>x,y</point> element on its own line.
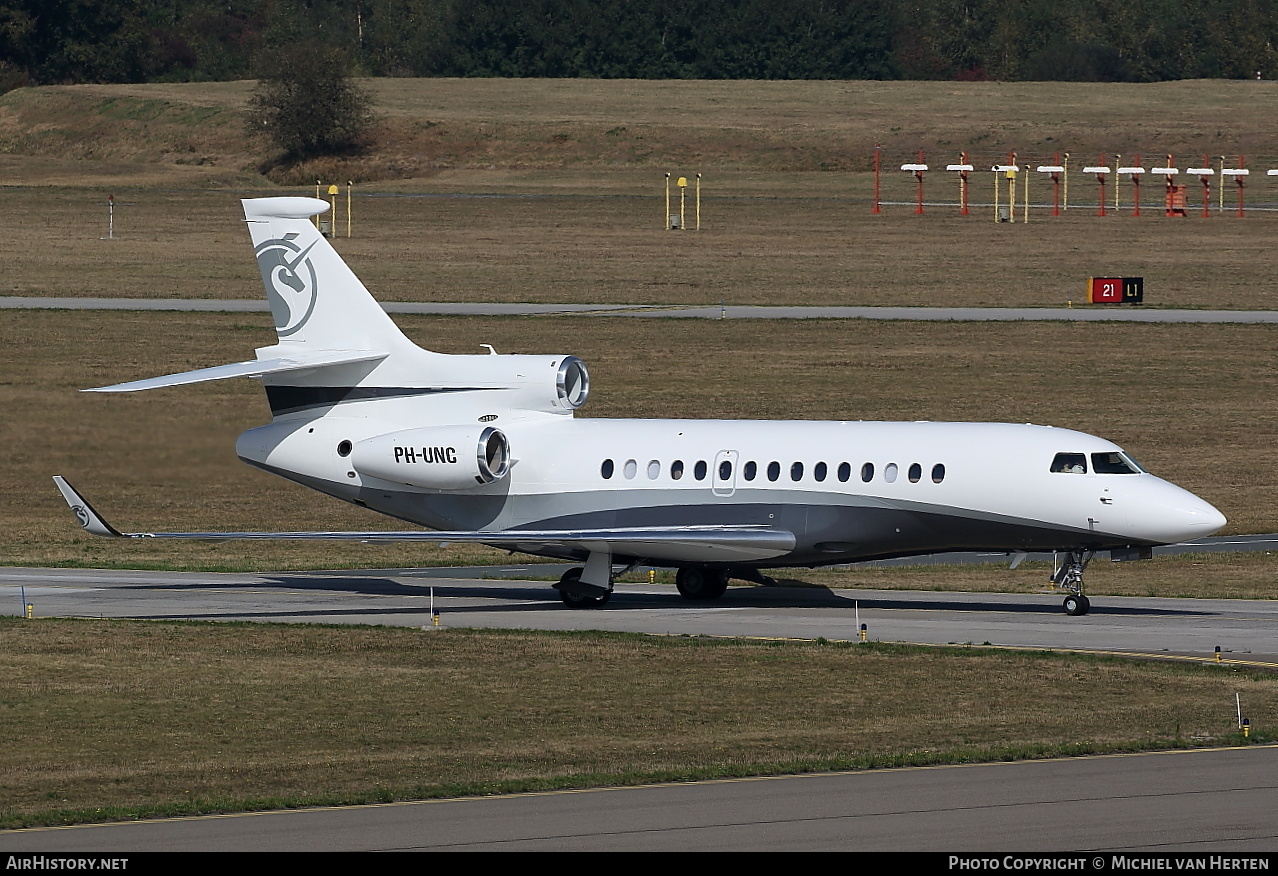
<point>1182,516</point>
<point>1206,518</point>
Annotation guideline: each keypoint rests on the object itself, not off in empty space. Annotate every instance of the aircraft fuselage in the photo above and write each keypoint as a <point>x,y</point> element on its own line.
<point>847,490</point>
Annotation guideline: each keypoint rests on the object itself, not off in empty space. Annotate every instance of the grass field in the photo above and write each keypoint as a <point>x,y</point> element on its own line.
<point>574,170</point>
<point>1192,402</point>
<point>441,126</point>
<point>552,191</point>
<point>817,246</point>
<point>125,719</point>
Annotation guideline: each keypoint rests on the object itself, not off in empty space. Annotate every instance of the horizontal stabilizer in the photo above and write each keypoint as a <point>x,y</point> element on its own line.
<point>252,368</point>
<point>702,544</point>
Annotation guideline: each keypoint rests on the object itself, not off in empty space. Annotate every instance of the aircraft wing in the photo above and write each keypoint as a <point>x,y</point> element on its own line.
<point>251,368</point>
<point>691,544</point>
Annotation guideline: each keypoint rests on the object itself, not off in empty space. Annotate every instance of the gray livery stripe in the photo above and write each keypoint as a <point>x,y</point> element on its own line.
<point>290,399</point>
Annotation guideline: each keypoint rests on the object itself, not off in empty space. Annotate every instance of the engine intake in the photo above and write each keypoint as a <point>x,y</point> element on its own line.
<point>572,382</point>
<point>439,458</point>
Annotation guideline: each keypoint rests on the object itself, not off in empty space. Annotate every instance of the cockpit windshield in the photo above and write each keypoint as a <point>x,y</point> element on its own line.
<point>1109,462</point>
<point>1070,463</point>
<point>1114,462</point>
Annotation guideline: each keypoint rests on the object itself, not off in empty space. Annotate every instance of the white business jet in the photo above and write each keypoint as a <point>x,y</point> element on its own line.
<point>485,448</point>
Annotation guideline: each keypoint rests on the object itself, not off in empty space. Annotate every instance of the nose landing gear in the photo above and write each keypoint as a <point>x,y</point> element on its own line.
<point>1070,577</point>
<point>1076,604</point>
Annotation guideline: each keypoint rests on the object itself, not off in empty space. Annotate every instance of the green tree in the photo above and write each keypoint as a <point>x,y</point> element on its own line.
<point>307,104</point>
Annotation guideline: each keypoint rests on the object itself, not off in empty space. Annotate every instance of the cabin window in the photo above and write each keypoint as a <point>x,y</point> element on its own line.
<point>630,468</point>
<point>1114,463</point>
<point>867,472</point>
<point>751,469</point>
<point>606,469</point>
<point>1070,463</point>
<point>916,472</point>
<point>774,470</point>
<point>938,473</point>
<point>845,472</point>
<point>699,470</point>
<point>654,470</point>
<point>889,473</point>
<point>676,470</point>
<point>819,471</point>
<point>796,471</point>
<point>725,470</point>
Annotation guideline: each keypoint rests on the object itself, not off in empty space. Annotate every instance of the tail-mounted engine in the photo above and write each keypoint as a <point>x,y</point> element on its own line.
<point>438,458</point>
<point>572,383</point>
<point>554,385</point>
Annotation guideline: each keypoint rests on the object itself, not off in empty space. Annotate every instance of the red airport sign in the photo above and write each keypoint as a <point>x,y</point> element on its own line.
<point>1115,290</point>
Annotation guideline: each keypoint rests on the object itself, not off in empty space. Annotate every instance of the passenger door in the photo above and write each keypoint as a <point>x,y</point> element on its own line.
<point>725,473</point>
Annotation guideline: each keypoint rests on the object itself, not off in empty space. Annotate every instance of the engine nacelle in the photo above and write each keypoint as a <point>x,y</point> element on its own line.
<point>572,383</point>
<point>556,385</point>
<point>436,458</point>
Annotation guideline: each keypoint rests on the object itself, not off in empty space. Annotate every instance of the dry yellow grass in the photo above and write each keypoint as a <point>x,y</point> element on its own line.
<point>441,125</point>
<point>579,165</point>
<point>166,717</point>
<point>1192,402</point>
<point>574,221</point>
<point>114,718</point>
<point>582,246</point>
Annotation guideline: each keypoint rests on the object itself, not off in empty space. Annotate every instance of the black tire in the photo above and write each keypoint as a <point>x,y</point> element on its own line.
<point>701,585</point>
<point>717,583</point>
<point>1076,605</point>
<point>574,600</point>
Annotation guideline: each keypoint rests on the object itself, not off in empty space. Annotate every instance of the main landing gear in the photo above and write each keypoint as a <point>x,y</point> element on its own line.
<point>576,593</point>
<point>1070,577</point>
<point>695,583</point>
<point>700,584</point>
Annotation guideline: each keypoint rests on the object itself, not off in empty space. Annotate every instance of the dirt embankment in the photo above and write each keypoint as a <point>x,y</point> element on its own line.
<point>195,133</point>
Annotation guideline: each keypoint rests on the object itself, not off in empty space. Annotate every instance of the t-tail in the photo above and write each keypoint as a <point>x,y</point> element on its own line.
<point>317,302</point>
<point>347,388</point>
<point>336,345</point>
<point>324,317</point>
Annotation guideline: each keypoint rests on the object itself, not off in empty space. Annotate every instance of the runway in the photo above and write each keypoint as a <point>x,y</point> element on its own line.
<point>1084,313</point>
<point>1201,802</point>
<point>1246,631</point>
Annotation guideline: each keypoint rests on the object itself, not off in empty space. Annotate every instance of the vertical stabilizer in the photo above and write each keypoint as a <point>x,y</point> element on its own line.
<point>315,299</point>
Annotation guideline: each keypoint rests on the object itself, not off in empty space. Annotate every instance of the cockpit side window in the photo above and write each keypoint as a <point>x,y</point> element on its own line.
<point>1070,463</point>
<point>1114,462</point>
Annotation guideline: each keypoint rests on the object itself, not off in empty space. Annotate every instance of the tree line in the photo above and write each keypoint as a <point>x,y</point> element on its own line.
<point>67,41</point>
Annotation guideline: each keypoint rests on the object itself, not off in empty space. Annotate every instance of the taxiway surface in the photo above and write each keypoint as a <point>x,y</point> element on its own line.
<point>1246,631</point>
<point>675,311</point>
<point>1204,802</point>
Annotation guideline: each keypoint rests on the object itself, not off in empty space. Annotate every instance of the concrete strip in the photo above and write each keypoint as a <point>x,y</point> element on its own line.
<point>942,314</point>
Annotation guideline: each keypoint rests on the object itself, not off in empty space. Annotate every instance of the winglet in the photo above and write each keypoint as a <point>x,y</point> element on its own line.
<point>90,520</point>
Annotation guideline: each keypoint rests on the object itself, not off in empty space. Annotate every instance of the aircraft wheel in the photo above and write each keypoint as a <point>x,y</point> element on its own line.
<point>701,585</point>
<point>577,600</point>
<point>1077,605</point>
<point>717,583</point>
